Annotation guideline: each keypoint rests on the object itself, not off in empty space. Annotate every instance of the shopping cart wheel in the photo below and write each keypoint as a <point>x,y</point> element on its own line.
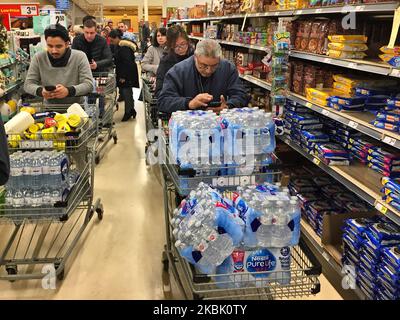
<point>115,139</point>
<point>100,212</point>
<point>12,270</point>
<point>97,159</point>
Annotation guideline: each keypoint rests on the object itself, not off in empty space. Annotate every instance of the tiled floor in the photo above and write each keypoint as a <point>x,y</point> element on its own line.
<point>120,257</point>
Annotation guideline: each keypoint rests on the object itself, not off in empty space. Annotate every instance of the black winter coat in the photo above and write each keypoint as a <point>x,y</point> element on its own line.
<point>125,64</point>
<point>4,159</point>
<point>166,63</point>
<point>98,50</point>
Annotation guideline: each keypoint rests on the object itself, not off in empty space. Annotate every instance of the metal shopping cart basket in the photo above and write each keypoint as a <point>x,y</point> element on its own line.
<point>304,269</point>
<point>39,238</point>
<point>105,90</point>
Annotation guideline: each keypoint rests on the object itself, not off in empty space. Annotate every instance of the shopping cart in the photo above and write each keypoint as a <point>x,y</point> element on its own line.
<point>105,88</point>
<point>40,238</point>
<point>304,270</point>
<point>153,118</point>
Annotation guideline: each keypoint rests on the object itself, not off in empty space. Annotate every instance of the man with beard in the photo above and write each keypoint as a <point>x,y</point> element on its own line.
<point>60,75</point>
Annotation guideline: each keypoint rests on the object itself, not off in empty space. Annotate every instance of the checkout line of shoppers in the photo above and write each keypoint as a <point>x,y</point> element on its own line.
<point>186,78</point>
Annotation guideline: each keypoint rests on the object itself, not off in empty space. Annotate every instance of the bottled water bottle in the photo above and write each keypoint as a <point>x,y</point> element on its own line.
<point>36,170</point>
<point>281,233</point>
<point>264,231</point>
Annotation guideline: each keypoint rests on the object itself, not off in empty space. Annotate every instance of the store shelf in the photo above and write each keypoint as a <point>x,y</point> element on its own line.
<point>358,178</point>
<point>359,121</point>
<point>331,268</point>
<point>235,44</point>
<point>362,65</point>
<point>12,88</point>
<point>258,82</point>
<point>362,8</point>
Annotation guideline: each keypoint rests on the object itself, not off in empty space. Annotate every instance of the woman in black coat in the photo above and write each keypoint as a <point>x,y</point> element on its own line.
<point>126,69</point>
<point>4,159</point>
<point>178,49</point>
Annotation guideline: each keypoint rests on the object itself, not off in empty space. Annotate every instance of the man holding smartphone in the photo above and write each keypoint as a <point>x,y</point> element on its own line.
<point>61,75</point>
<point>203,81</point>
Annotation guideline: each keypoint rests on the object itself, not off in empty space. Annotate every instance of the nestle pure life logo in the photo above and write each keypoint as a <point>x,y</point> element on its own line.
<point>260,261</point>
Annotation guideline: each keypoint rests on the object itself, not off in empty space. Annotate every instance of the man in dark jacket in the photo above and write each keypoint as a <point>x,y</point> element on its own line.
<point>201,79</point>
<point>95,47</point>
<point>97,51</point>
<point>4,159</point>
<point>145,36</point>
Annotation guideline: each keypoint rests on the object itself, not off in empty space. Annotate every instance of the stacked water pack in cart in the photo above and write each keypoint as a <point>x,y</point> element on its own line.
<point>371,246</point>
<point>218,145</point>
<point>309,131</point>
<point>249,234</point>
<point>39,179</point>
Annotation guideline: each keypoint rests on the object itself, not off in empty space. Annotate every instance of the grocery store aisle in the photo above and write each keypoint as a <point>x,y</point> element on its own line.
<point>120,257</point>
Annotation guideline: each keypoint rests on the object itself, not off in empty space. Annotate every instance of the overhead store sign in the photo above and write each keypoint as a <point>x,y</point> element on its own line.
<point>20,9</point>
<point>62,4</point>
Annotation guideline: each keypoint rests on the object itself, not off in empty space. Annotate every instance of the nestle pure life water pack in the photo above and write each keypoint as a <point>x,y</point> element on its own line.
<point>255,268</point>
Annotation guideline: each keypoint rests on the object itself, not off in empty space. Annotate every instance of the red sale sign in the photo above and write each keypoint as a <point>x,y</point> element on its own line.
<point>25,9</point>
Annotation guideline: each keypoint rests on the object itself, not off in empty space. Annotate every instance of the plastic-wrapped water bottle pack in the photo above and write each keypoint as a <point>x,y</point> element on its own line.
<point>251,233</point>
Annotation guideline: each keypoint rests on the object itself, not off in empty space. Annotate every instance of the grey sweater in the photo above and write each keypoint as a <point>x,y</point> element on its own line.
<point>152,59</point>
<point>77,73</point>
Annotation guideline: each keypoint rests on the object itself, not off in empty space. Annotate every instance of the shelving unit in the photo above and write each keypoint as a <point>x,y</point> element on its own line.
<point>357,177</point>
<point>364,8</point>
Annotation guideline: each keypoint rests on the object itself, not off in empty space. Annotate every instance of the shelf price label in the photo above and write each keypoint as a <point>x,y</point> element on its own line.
<point>353,124</point>
<point>327,60</point>
<point>318,10</point>
<point>325,112</point>
<point>381,208</point>
<point>277,13</point>
<point>352,65</point>
<point>389,140</point>
<point>29,10</point>
<point>299,12</point>
<point>395,73</point>
<point>308,104</point>
<point>360,8</point>
<point>326,256</point>
<point>316,161</point>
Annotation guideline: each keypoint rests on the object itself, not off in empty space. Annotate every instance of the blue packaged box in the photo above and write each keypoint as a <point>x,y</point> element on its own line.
<point>385,233</point>
<point>392,255</point>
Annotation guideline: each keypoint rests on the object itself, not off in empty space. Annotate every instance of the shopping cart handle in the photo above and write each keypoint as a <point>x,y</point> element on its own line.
<point>189,172</point>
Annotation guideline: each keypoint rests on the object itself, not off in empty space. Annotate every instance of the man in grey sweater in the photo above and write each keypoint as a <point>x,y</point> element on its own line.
<point>61,75</point>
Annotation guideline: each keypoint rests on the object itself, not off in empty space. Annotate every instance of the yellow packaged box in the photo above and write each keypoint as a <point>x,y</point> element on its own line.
<point>348,38</point>
<point>346,54</point>
<point>352,47</point>
<point>322,94</point>
<point>393,51</point>
<point>350,82</point>
<point>315,100</point>
<point>343,88</point>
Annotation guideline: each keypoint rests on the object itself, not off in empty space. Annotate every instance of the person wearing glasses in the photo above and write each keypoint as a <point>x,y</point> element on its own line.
<point>178,49</point>
<point>203,81</point>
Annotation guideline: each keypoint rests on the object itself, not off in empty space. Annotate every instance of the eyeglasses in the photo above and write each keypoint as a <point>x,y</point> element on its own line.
<point>203,66</point>
<point>181,46</point>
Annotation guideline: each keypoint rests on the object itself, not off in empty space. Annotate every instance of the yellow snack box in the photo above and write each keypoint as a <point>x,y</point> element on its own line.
<point>321,94</point>
<point>321,102</point>
<point>343,88</point>
<point>346,54</point>
<point>48,133</point>
<point>352,47</point>
<point>393,51</point>
<point>348,38</point>
<point>350,82</point>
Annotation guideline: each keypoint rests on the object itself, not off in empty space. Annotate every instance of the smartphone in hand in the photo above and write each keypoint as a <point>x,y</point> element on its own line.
<point>50,88</point>
<point>214,104</point>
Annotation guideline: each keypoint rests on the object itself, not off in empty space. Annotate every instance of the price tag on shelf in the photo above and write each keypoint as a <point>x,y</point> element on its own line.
<point>299,12</point>
<point>318,10</point>
<point>352,65</point>
<point>29,10</point>
<point>389,140</point>
<point>395,73</point>
<point>380,207</point>
<point>308,104</point>
<point>325,112</point>
<point>360,8</point>
<point>327,60</point>
<point>326,256</point>
<point>316,161</point>
<point>353,124</point>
